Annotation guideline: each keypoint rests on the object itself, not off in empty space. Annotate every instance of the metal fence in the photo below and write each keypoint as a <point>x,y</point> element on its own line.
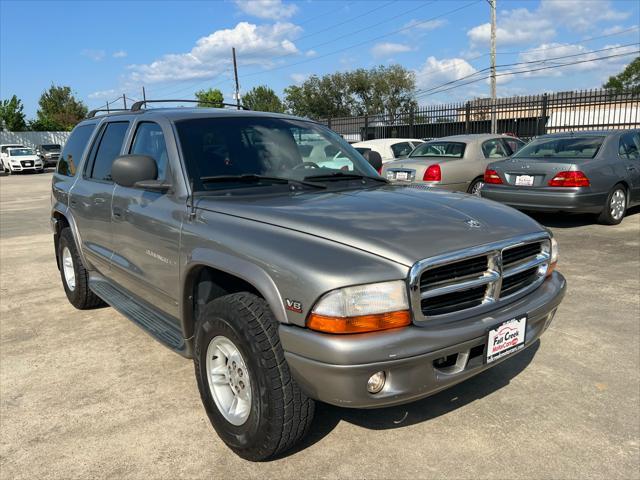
<point>524,117</point>
<point>31,139</point>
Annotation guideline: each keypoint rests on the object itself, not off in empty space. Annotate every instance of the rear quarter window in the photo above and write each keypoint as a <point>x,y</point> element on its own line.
<point>73,150</point>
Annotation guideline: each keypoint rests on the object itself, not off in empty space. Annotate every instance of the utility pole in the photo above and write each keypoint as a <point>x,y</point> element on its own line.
<point>144,94</point>
<point>124,101</point>
<point>494,123</point>
<point>235,73</point>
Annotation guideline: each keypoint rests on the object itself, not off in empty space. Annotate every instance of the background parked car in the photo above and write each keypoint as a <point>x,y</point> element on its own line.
<point>592,172</point>
<point>4,155</point>
<point>389,148</point>
<point>22,159</point>
<point>49,153</point>
<point>454,163</point>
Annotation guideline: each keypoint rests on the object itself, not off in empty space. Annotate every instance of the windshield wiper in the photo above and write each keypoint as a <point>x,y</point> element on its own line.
<point>254,178</point>
<point>332,177</point>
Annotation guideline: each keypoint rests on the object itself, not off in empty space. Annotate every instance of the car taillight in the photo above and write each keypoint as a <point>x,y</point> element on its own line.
<point>432,173</point>
<point>491,176</point>
<point>570,179</point>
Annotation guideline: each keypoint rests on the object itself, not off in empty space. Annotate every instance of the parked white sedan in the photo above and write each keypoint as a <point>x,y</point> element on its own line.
<point>389,148</point>
<point>22,159</point>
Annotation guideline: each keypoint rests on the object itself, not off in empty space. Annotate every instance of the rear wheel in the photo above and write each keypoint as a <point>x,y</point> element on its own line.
<point>615,207</point>
<point>476,186</point>
<point>252,401</point>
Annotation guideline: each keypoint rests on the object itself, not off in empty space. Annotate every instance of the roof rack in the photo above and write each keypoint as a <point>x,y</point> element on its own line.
<point>138,105</point>
<point>92,113</point>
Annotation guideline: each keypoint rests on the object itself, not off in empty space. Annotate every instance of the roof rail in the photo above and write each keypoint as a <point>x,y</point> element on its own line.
<point>92,113</point>
<point>138,105</point>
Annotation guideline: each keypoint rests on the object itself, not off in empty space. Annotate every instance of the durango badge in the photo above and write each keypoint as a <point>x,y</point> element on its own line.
<point>293,305</point>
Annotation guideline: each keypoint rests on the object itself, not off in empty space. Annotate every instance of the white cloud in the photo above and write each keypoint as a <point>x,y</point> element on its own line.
<point>104,94</point>
<point>435,72</point>
<point>255,45</point>
<point>95,55</point>
<point>579,14</point>
<point>619,28</point>
<point>418,25</point>
<point>513,27</point>
<point>267,9</point>
<point>310,53</point>
<point>119,54</point>
<point>299,78</point>
<point>387,49</point>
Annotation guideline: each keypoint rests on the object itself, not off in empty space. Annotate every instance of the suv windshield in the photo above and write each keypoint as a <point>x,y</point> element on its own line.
<point>20,152</point>
<point>265,151</point>
<point>50,148</point>
<point>439,149</point>
<point>562,147</point>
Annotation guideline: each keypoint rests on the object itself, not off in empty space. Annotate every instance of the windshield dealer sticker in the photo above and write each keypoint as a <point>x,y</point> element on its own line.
<point>506,338</point>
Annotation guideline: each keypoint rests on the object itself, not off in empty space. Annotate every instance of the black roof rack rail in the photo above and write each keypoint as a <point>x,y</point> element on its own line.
<point>92,113</point>
<point>138,105</point>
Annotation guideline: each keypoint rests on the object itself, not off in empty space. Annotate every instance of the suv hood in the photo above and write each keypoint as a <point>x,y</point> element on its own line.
<point>402,224</point>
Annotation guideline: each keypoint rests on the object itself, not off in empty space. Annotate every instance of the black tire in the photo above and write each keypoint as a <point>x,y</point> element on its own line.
<point>474,184</point>
<point>280,414</point>
<point>607,217</point>
<point>81,296</point>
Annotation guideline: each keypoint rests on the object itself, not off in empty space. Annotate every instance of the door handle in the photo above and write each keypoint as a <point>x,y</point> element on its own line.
<point>631,169</point>
<point>73,202</point>
<point>98,200</point>
<point>117,212</point>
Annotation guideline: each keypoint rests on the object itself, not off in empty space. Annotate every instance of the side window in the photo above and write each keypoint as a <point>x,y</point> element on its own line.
<point>73,149</point>
<point>513,144</point>
<point>108,149</point>
<point>400,149</point>
<point>629,146</point>
<point>149,140</point>
<point>494,149</point>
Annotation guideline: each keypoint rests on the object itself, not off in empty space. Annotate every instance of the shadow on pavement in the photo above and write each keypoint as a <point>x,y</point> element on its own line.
<point>572,220</point>
<point>327,416</point>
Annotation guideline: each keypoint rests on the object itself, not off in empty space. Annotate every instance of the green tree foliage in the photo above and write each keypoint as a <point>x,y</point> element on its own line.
<point>11,114</point>
<point>383,89</point>
<point>262,99</point>
<point>210,98</point>
<point>59,110</point>
<point>626,81</point>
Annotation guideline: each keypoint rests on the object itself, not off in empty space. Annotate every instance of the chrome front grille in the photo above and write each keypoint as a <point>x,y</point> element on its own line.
<point>460,283</point>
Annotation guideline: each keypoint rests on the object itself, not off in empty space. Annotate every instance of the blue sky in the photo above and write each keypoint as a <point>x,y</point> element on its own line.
<point>104,49</point>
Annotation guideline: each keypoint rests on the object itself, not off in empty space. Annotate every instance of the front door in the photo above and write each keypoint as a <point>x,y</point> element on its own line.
<point>146,229</point>
<point>629,152</point>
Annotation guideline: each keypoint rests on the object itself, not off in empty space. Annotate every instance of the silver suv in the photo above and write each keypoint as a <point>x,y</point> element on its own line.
<point>287,278</point>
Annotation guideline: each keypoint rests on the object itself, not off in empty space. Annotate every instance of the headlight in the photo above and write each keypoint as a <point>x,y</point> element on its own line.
<point>553,256</point>
<point>363,308</point>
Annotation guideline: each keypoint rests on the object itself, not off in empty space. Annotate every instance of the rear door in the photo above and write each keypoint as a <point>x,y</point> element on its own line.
<point>629,154</point>
<point>146,226</point>
<point>90,199</point>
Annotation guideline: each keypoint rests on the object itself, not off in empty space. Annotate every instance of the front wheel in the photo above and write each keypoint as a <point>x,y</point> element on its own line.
<point>252,401</point>
<point>615,207</point>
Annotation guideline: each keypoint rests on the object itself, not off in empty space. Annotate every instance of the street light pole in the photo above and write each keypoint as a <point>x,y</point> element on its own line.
<point>494,126</point>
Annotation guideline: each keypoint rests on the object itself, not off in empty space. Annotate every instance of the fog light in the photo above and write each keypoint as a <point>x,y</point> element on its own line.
<point>376,382</point>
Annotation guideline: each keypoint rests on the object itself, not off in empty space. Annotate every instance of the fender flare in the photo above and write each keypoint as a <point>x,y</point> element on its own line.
<point>66,213</point>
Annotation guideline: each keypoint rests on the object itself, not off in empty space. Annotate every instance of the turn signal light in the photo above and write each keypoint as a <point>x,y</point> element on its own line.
<point>432,173</point>
<point>573,178</point>
<point>360,324</point>
<point>491,176</point>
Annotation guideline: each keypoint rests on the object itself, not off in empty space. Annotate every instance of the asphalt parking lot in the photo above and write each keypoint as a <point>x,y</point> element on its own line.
<point>86,394</point>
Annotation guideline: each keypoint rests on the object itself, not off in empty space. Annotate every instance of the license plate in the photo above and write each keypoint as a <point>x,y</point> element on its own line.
<point>27,164</point>
<point>402,175</point>
<point>506,338</point>
<point>524,180</point>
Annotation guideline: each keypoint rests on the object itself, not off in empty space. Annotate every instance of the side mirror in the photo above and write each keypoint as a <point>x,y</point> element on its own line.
<point>139,171</point>
<point>374,159</point>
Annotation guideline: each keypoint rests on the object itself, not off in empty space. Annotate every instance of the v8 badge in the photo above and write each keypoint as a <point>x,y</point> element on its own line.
<point>293,305</point>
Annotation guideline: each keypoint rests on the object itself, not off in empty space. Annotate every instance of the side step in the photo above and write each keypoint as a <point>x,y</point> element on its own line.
<point>155,324</point>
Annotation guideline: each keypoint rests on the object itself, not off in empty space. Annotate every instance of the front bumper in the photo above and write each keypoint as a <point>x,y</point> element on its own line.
<point>335,368</point>
<point>20,168</point>
<point>546,200</point>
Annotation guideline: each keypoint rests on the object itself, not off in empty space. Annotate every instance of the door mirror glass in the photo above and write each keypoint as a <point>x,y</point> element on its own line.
<point>374,159</point>
<point>127,170</point>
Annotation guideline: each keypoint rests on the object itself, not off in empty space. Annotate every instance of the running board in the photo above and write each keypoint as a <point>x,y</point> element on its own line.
<point>157,325</point>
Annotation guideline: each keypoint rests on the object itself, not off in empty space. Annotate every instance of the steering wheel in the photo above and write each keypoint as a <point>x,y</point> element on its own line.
<point>305,165</point>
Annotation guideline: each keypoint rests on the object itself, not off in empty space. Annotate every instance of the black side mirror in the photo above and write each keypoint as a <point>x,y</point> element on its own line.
<point>374,159</point>
<point>138,171</point>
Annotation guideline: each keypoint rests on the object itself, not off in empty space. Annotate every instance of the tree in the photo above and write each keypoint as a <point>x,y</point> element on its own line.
<point>210,98</point>
<point>11,114</point>
<point>320,97</point>
<point>262,99</point>
<point>626,81</point>
<point>59,110</point>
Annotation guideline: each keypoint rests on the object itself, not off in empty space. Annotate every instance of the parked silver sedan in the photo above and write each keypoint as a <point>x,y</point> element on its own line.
<point>453,163</point>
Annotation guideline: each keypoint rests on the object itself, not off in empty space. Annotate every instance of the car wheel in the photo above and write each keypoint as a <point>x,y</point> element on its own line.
<point>75,277</point>
<point>616,206</point>
<point>476,186</point>
<point>254,405</point>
